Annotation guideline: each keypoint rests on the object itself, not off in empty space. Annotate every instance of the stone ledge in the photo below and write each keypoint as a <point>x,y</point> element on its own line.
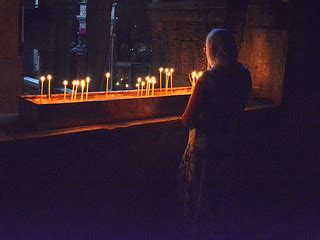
<point>83,129</point>
<point>23,135</point>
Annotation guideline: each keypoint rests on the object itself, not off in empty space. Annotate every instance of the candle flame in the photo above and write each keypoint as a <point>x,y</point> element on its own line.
<point>42,78</point>
<point>139,79</point>
<point>49,77</point>
<point>65,82</point>
<point>143,83</point>
<point>200,74</point>
<point>74,82</point>
<point>161,69</point>
<point>166,70</point>
<point>171,70</point>
<point>88,79</point>
<point>83,83</point>
<point>77,82</point>
<point>108,74</point>
<point>127,85</point>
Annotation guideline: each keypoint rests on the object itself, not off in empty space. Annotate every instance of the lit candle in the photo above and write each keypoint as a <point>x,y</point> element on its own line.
<point>76,90</point>
<point>200,74</point>
<point>73,87</point>
<point>160,78</point>
<point>147,85</point>
<point>194,74</point>
<point>167,85</point>
<point>127,85</point>
<point>49,77</point>
<point>42,79</point>
<point>107,83</point>
<point>153,83</point>
<point>171,79</point>
<point>167,80</point>
<point>197,77</point>
<point>65,83</point>
<point>87,90</point>
<point>83,85</point>
<point>150,87</point>
<point>142,87</point>
<point>138,85</point>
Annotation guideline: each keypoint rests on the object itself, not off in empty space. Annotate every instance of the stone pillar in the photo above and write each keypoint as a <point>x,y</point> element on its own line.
<point>98,31</point>
<point>264,48</point>
<point>10,61</point>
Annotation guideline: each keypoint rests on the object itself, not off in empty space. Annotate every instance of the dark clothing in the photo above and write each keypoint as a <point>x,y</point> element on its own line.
<point>206,168</point>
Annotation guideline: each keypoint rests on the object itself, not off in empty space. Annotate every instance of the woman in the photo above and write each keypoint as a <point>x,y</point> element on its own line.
<point>212,114</point>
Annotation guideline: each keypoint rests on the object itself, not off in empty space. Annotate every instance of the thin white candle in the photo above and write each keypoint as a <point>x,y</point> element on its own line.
<point>160,78</point>
<point>138,85</point>
<point>166,85</point>
<point>42,79</point>
<point>147,85</point>
<point>107,83</point>
<point>49,77</point>
<point>76,90</point>
<point>197,78</point>
<point>142,87</point>
<point>65,83</point>
<point>87,90</point>
<point>194,74</point>
<point>150,87</point>
<point>171,79</point>
<point>73,88</point>
<point>153,83</point>
<point>83,85</point>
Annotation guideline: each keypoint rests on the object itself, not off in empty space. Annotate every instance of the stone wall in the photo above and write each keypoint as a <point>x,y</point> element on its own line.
<point>10,62</point>
<point>264,49</point>
<point>261,31</point>
<point>178,35</point>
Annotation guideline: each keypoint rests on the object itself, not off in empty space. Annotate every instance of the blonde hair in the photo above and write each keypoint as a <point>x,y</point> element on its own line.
<point>221,48</point>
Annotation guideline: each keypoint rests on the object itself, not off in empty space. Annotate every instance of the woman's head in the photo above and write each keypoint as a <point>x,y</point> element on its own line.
<point>221,47</point>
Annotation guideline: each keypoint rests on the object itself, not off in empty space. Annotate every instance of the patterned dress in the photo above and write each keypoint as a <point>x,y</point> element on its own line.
<point>206,169</point>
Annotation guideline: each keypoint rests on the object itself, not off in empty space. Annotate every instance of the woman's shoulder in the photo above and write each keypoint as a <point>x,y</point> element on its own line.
<point>208,74</point>
<point>207,77</point>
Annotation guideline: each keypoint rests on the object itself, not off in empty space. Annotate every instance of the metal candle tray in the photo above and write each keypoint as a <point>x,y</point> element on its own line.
<point>42,114</point>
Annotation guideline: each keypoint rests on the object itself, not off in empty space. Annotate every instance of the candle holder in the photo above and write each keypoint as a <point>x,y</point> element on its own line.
<point>43,114</point>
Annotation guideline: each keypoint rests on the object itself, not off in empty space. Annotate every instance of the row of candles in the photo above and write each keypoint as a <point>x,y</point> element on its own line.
<point>75,86</point>
<point>146,87</point>
<point>194,77</point>
<point>168,73</point>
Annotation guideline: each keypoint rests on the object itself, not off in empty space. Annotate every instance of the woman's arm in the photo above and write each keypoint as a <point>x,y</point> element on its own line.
<point>194,105</point>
